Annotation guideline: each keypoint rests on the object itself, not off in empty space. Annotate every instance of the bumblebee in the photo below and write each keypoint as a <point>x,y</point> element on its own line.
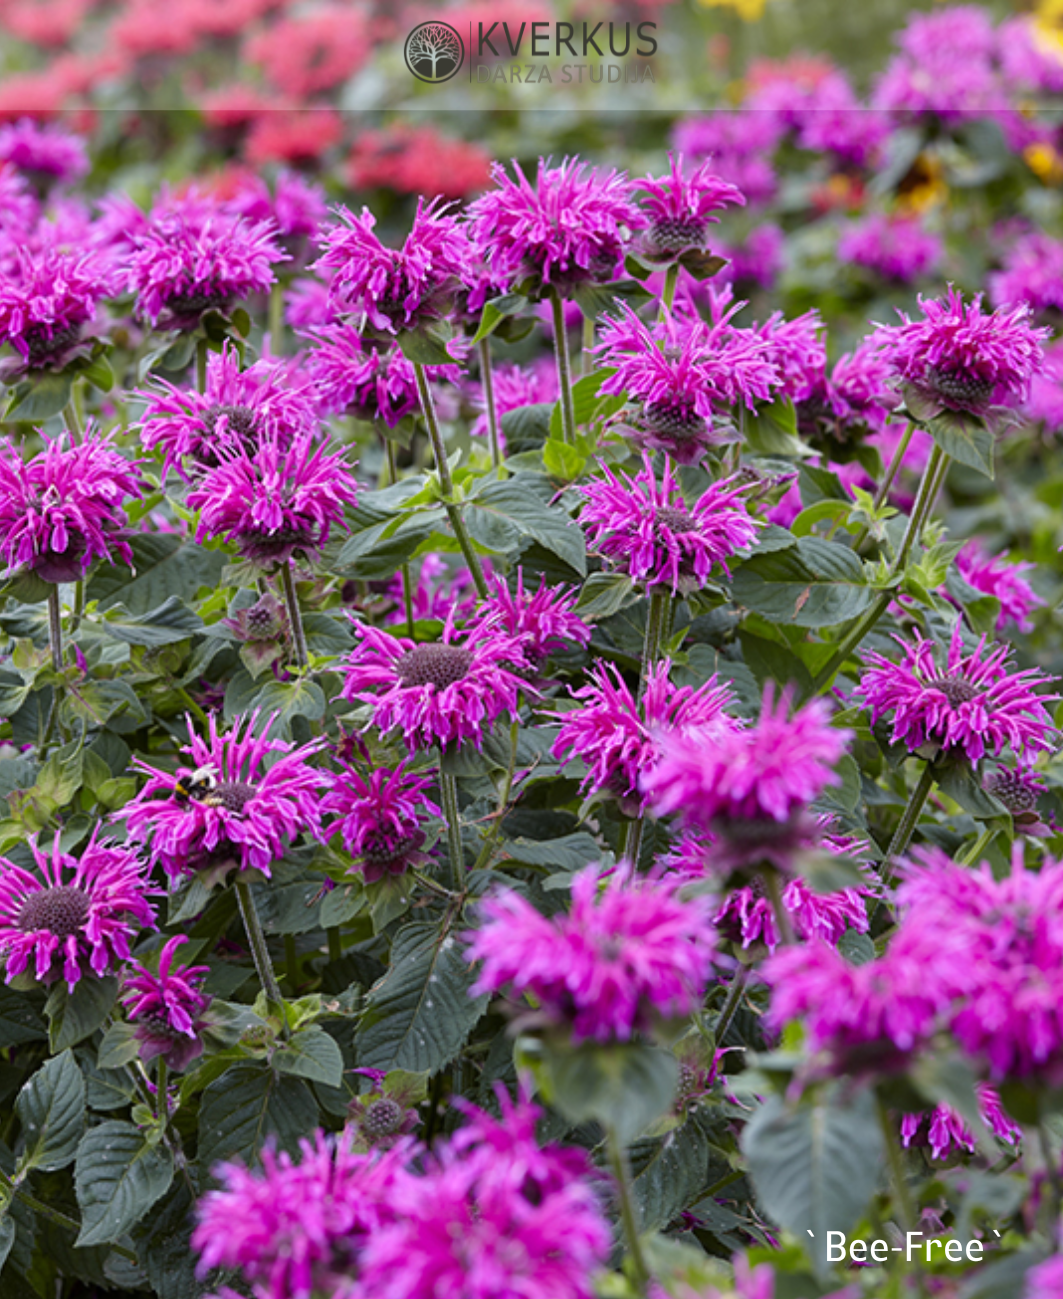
<point>197,785</point>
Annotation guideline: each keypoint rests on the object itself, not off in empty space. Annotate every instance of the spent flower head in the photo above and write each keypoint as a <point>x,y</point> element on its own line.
<point>380,818</point>
<point>166,1006</point>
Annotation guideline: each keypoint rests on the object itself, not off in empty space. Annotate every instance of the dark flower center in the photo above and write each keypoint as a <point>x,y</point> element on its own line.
<point>264,546</point>
<point>674,420</point>
<point>673,234</point>
<point>969,390</point>
<point>158,1026</point>
<point>196,302</point>
<point>383,847</point>
<point>383,1117</point>
<point>957,691</point>
<point>233,795</point>
<point>42,348</point>
<point>239,420</point>
<point>434,665</point>
<point>676,520</point>
<point>1012,791</point>
<point>62,911</point>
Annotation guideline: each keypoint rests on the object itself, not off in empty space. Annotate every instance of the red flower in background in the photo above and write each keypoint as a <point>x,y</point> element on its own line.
<point>418,160</point>
<point>298,135</point>
<point>313,52</point>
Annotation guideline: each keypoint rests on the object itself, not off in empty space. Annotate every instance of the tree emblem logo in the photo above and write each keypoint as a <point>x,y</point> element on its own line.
<point>434,52</point>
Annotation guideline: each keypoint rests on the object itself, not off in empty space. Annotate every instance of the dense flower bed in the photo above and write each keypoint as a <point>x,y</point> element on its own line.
<point>528,714</point>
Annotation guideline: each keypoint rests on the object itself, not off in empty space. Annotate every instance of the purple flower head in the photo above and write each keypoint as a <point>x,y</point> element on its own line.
<point>443,693</point>
<point>972,704</point>
<point>275,501</point>
<point>859,392</point>
<point>619,741</point>
<point>369,382</point>
<point>750,786</point>
<point>542,623</point>
<point>62,509</point>
<point>738,144</point>
<point>623,955</point>
<point>239,804</point>
<point>19,212</point>
<point>1028,48</point>
<point>680,207</point>
<point>45,302</point>
<point>380,818</point>
<point>747,913</point>
<point>385,289</point>
<point>993,575</point>
<point>166,1008</point>
<point>238,407</point>
<point>493,1216</point>
<point>958,358</point>
<point>946,1132</point>
<point>797,350</point>
<point>295,206</point>
<point>46,155</point>
<point>1032,273</point>
<point>756,262</point>
<point>1045,1281</point>
<point>1018,788</point>
<point>1045,403</point>
<point>73,916</point>
<point>514,386</point>
<point>649,531</point>
<point>195,257</point>
<point>569,227</point>
<point>896,248</point>
<point>684,372</point>
<point>297,1228</point>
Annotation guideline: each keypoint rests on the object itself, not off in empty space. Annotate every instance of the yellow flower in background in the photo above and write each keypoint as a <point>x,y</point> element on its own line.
<point>749,11</point>
<point>1047,26</point>
<point>924,186</point>
<point>1045,162</point>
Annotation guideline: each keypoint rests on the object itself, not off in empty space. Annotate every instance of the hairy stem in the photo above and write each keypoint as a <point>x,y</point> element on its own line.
<point>55,627</point>
<point>449,787</point>
<point>971,855</point>
<point>201,366</point>
<point>487,375</point>
<point>72,420</point>
<point>730,1006</point>
<point>564,368</point>
<point>903,835</point>
<point>773,887</point>
<point>260,954</point>
<point>276,319</point>
<point>586,359</point>
<point>295,618</point>
<point>887,480</point>
<point>622,1173</point>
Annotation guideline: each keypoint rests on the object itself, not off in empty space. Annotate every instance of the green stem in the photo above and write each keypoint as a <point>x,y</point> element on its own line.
<point>446,483</point>
<point>276,319</point>
<point>487,375</point>
<point>503,800</point>
<point>295,618</point>
<point>903,834</point>
<point>55,627</point>
<point>260,954</point>
<point>449,787</point>
<point>291,963</point>
<point>586,360</point>
<point>162,1100</point>
<point>730,1006</point>
<point>773,888</point>
<point>201,366</point>
<point>622,1173</point>
<point>671,279</point>
<point>391,460</point>
<point>564,368</point>
<point>72,420</point>
<point>896,1163</point>
<point>924,503</point>
<point>633,840</point>
<point>198,713</point>
<point>651,645</point>
<point>53,1215</point>
<point>972,854</point>
<point>79,605</point>
<point>887,481</point>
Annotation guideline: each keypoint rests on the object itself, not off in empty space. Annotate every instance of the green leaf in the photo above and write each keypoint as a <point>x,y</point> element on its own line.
<point>814,584</point>
<point>162,566</point>
<point>39,399</point>
<point>949,1080</point>
<point>74,1016</point>
<point>118,1177</point>
<point>625,1086</point>
<point>172,621</point>
<point>7,1239</point>
<point>419,1014</point>
<point>249,1103</point>
<point>51,1109</point>
<point>99,373</point>
<point>561,460</point>
<point>311,1054</point>
<point>964,438</point>
<point>604,594</point>
<point>518,501</point>
<point>857,948</point>
<point>527,427</point>
<point>587,404</point>
<point>595,299</point>
<point>669,1173</point>
<point>496,310</point>
<point>423,347</point>
<point>772,431</point>
<point>957,779</point>
<point>815,1166</point>
<point>284,700</point>
<point>241,322</point>
<point>1004,1279</point>
<point>119,1046</point>
<point>19,1019</point>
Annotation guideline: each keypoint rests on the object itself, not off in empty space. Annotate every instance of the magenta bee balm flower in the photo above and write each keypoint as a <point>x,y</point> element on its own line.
<point>387,290</point>
<point>62,509</point>
<point>46,155</point>
<point>72,916</point>
<point>994,576</point>
<point>958,358</point>
<point>370,382</point>
<point>441,693</point>
<point>46,301</point>
<point>275,501</point>
<point>380,818</point>
<point>680,207</point>
<point>649,531</point>
<point>165,1008</point>
<point>625,954</point>
<point>973,703</point>
<point>570,227</point>
<point>542,623</point>
<point>228,810</point>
